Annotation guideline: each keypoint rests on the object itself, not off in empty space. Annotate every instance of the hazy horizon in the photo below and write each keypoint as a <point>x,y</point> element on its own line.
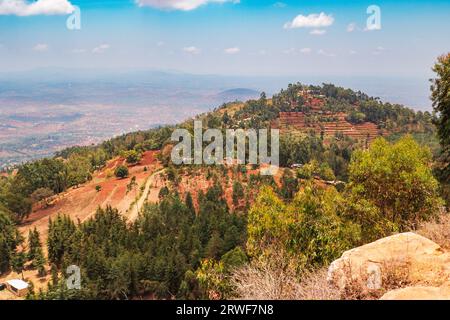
<point>412,92</point>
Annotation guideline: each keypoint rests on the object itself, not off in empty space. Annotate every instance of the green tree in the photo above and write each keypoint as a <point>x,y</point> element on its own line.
<point>234,259</point>
<point>10,238</point>
<point>132,156</point>
<point>190,202</point>
<point>440,95</point>
<point>163,192</point>
<point>35,254</point>
<point>238,192</point>
<point>79,170</point>
<point>289,184</point>
<point>121,172</point>
<point>18,262</point>
<point>326,173</point>
<point>132,184</point>
<point>41,194</point>
<point>19,205</point>
<point>394,185</point>
<point>61,236</point>
<point>311,230</point>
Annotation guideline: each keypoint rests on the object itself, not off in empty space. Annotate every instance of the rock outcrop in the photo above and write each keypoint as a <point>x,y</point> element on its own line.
<point>414,265</point>
<point>419,293</point>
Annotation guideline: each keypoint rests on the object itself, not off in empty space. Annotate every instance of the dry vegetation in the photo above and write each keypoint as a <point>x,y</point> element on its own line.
<point>253,283</point>
<point>277,280</point>
<point>395,274</point>
<point>437,230</point>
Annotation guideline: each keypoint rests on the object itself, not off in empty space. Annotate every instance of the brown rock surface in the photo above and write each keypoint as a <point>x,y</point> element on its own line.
<point>401,260</point>
<point>419,293</point>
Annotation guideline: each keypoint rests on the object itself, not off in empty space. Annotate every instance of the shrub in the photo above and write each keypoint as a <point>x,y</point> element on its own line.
<point>396,182</point>
<point>311,229</point>
<point>41,194</point>
<point>121,172</point>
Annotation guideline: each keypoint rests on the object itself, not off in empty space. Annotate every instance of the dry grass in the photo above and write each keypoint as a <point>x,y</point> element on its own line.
<point>271,283</point>
<point>437,230</point>
<point>395,274</point>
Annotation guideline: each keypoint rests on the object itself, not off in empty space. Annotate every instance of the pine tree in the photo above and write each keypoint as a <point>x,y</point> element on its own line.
<point>18,262</point>
<point>10,238</point>
<point>35,254</point>
<point>190,203</point>
<point>238,192</point>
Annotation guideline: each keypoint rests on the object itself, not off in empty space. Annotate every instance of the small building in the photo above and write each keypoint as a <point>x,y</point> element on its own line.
<point>18,287</point>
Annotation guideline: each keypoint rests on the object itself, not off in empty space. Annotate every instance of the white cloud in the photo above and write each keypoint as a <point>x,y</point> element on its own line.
<point>39,7</point>
<point>325,53</point>
<point>351,27</point>
<point>290,51</point>
<point>192,50</point>
<point>184,5</point>
<point>79,51</point>
<point>318,32</point>
<point>40,47</point>
<point>232,50</point>
<point>311,21</point>
<point>305,50</point>
<point>294,51</point>
<point>101,48</point>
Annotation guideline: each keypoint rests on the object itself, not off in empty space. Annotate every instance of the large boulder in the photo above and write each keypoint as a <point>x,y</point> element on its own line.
<point>419,293</point>
<point>401,260</point>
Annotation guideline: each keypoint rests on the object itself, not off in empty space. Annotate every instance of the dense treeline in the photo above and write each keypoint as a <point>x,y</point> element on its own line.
<point>150,256</point>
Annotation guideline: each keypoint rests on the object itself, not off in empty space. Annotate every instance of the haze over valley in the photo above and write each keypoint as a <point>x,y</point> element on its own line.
<point>46,110</point>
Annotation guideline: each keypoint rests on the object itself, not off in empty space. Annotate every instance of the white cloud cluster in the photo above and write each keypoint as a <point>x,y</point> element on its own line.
<point>40,47</point>
<point>232,50</point>
<point>294,51</point>
<point>313,20</point>
<point>184,5</point>
<point>318,32</point>
<point>305,50</point>
<point>101,48</point>
<point>325,53</point>
<point>39,7</point>
<point>192,50</point>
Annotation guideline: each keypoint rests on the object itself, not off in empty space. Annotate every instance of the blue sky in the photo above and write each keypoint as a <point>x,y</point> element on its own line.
<point>246,37</point>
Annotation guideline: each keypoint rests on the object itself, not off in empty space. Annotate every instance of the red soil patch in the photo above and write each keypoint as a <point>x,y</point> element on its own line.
<point>81,203</point>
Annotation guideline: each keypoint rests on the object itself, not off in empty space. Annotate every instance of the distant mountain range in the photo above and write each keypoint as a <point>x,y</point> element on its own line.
<point>240,94</point>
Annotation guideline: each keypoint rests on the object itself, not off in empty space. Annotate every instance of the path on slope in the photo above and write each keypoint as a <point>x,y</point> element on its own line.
<point>143,198</point>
